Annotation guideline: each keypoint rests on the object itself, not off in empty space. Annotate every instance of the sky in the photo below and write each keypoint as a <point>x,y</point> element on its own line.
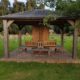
<point>17,0</point>
<point>11,1</point>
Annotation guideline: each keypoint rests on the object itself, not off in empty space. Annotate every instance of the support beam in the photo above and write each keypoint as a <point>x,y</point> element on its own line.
<point>6,46</point>
<point>75,38</point>
<point>6,24</point>
<point>10,22</point>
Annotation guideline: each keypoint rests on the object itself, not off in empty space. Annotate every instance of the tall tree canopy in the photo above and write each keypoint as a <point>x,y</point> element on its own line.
<point>18,6</point>
<point>4,9</point>
<point>68,7</point>
<point>30,4</point>
<point>50,3</point>
<point>5,6</point>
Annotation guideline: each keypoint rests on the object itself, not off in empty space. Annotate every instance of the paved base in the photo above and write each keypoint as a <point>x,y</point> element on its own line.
<point>73,61</point>
<point>21,55</point>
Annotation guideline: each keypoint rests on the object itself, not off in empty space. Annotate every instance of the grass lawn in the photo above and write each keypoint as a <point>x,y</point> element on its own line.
<point>38,71</point>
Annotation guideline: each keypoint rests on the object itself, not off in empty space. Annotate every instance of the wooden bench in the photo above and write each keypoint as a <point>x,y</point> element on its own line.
<point>50,44</point>
<point>31,44</point>
<point>47,44</point>
<point>41,47</point>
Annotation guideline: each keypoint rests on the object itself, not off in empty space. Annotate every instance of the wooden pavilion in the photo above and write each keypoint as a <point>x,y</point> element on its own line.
<point>40,32</point>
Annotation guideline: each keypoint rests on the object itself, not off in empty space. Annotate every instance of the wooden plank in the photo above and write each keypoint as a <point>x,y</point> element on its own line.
<point>45,34</point>
<point>35,34</point>
<point>40,33</point>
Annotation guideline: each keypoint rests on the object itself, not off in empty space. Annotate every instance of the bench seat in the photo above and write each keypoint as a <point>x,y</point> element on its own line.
<point>48,44</point>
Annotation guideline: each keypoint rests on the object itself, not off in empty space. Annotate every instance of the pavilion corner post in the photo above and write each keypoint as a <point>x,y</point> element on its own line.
<point>6,24</point>
<point>75,39</point>
<point>6,39</point>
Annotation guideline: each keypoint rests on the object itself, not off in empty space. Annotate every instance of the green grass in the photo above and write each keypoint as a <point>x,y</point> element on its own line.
<point>38,71</point>
<point>13,44</point>
<point>1,47</point>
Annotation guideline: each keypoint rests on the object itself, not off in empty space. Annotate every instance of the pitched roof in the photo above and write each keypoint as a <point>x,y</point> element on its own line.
<point>34,14</point>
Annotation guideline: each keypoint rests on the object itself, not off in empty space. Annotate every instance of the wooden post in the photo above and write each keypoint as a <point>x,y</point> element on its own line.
<point>20,38</point>
<point>6,24</point>
<point>6,46</point>
<point>75,39</point>
<point>62,39</point>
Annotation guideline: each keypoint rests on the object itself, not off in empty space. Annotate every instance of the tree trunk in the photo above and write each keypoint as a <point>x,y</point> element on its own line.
<point>75,40</point>
<point>62,39</point>
<point>19,38</point>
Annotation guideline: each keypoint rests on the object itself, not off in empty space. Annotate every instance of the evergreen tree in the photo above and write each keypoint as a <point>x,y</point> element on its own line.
<point>5,6</point>
<point>18,6</point>
<point>30,4</point>
<point>4,9</point>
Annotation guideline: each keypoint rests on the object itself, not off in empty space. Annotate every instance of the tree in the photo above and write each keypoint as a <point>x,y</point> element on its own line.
<point>30,4</point>
<point>18,6</point>
<point>40,4</point>
<point>4,9</point>
<point>5,6</point>
<point>68,7</point>
<point>71,8</point>
<point>13,29</point>
<point>16,29</point>
<point>51,4</point>
<point>62,29</point>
